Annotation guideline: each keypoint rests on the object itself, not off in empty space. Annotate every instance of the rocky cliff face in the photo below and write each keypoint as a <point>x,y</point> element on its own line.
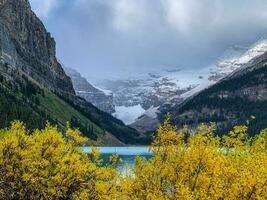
<point>102,100</point>
<point>26,45</point>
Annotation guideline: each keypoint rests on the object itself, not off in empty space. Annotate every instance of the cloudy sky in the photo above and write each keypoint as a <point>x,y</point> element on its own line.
<point>105,38</point>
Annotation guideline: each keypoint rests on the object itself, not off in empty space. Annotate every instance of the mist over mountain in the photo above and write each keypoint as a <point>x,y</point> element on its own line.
<point>151,56</point>
<point>136,97</point>
<point>120,38</point>
<point>240,98</point>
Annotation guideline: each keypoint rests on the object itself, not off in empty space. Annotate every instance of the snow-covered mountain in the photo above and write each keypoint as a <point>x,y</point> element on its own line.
<point>230,61</point>
<point>133,97</point>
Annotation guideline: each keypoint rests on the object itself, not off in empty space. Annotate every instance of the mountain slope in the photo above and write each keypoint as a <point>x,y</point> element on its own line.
<point>232,101</point>
<point>34,87</point>
<point>99,98</point>
<point>166,89</point>
<point>21,98</point>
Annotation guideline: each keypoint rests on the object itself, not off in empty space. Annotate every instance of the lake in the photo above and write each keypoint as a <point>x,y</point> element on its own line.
<point>127,154</point>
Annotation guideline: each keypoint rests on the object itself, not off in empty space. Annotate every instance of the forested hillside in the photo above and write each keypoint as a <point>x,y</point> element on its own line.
<point>22,99</point>
<point>232,101</point>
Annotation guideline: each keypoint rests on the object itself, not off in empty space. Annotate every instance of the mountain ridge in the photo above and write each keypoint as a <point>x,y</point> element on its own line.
<point>35,88</point>
<point>168,88</point>
<point>231,101</point>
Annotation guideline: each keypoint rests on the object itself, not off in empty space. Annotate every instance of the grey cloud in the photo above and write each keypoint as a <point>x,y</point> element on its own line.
<point>103,38</point>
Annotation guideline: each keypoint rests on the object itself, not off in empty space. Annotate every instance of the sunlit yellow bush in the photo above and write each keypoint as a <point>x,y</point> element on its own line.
<point>202,165</point>
<point>46,165</point>
<point>186,164</point>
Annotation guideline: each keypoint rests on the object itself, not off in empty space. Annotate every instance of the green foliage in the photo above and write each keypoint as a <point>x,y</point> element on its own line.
<point>23,99</point>
<point>109,123</point>
<point>64,112</point>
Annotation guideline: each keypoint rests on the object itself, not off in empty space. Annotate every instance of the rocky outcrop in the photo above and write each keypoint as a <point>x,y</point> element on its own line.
<point>102,100</point>
<point>26,45</point>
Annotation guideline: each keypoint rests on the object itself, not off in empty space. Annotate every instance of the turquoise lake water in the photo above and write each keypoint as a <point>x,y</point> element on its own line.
<point>126,154</point>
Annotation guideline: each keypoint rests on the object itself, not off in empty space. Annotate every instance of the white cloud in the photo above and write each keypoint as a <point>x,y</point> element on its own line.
<point>129,15</point>
<point>191,15</point>
<point>184,16</point>
<point>44,7</point>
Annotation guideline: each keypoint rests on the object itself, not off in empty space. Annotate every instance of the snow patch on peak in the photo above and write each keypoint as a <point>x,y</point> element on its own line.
<point>106,92</point>
<point>230,61</point>
<point>128,114</point>
<point>236,57</point>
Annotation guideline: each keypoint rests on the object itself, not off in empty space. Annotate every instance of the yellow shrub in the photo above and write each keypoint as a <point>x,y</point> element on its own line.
<point>45,165</point>
<point>202,165</point>
<point>185,165</point>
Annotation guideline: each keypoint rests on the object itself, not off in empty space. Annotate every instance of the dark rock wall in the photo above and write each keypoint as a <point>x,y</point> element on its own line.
<point>26,44</point>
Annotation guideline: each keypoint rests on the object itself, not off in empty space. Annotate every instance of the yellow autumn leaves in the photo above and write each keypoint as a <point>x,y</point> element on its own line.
<point>187,164</point>
<point>203,166</point>
<point>45,165</point>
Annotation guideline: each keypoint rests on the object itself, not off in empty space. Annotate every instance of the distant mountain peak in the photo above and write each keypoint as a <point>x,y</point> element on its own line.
<point>234,99</point>
<point>100,98</point>
<point>172,87</point>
